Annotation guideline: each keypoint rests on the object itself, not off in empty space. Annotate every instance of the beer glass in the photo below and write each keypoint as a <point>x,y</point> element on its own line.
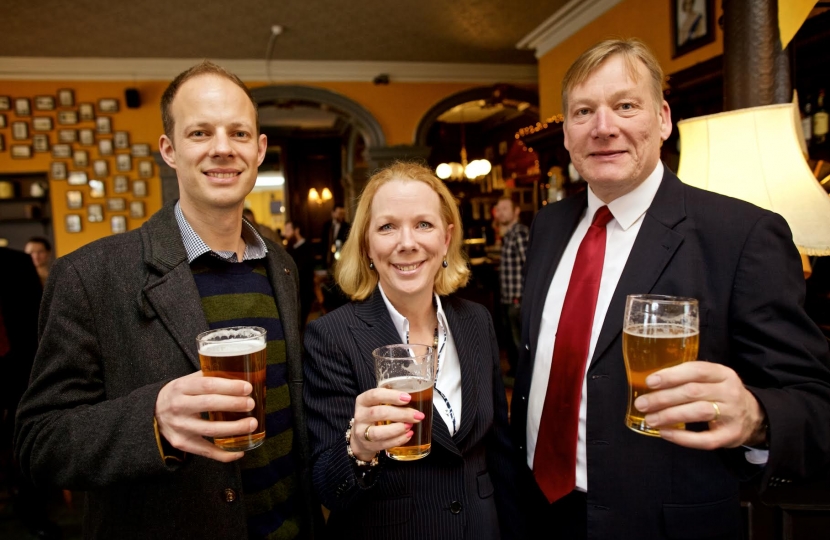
<point>658,332</point>
<point>237,352</point>
<point>410,369</point>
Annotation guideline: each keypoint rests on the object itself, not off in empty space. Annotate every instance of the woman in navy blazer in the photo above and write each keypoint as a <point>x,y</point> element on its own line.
<point>401,260</point>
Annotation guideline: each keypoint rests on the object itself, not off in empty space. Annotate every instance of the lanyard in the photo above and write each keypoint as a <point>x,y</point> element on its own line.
<point>437,370</point>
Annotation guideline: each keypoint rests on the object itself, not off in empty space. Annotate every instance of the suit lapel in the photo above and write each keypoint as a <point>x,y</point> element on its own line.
<point>654,247</point>
<point>285,293</point>
<point>467,340</point>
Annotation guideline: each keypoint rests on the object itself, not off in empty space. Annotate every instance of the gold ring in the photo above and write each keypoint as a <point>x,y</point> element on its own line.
<point>366,433</point>
<point>717,412</point>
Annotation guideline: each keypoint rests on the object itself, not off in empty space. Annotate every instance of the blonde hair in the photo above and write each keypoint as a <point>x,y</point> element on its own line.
<point>352,271</point>
<point>631,50</point>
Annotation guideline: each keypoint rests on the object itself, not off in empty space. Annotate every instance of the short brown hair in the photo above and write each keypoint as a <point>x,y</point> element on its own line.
<point>352,271</point>
<point>631,50</point>
<point>205,67</point>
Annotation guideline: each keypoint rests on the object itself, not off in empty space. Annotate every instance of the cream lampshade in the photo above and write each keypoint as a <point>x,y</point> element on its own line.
<point>755,154</point>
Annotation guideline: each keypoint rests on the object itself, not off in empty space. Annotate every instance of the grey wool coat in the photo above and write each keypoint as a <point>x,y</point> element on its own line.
<point>118,321</point>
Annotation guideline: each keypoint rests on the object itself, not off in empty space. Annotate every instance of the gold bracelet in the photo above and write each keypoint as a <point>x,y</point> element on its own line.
<point>358,462</point>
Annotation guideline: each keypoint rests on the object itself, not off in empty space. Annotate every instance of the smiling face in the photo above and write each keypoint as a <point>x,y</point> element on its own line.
<point>215,148</point>
<point>407,240</point>
<point>613,128</point>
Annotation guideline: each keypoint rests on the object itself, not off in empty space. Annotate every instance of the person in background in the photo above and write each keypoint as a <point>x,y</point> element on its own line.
<point>303,255</point>
<point>335,232</point>
<point>758,402</point>
<point>40,249</point>
<point>263,230</point>
<point>400,268</point>
<point>511,278</point>
<point>116,402</point>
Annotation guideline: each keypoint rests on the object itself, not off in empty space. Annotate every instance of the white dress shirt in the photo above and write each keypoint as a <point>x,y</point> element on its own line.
<point>621,232</point>
<point>449,367</point>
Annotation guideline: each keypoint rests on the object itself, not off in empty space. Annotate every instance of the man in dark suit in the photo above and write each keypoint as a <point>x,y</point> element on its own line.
<point>759,403</point>
<point>116,403</point>
<point>300,250</point>
<point>335,232</point>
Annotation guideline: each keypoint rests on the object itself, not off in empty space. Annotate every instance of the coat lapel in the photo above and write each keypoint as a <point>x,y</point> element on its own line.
<point>654,247</point>
<point>285,293</point>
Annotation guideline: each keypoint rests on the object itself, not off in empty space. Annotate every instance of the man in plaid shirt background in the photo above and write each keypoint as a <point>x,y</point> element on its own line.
<point>513,248</point>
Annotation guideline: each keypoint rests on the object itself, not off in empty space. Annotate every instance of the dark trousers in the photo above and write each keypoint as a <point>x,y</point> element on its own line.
<point>565,519</point>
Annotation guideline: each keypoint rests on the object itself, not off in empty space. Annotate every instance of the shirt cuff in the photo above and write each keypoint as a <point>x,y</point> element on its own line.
<point>756,456</point>
<point>168,453</point>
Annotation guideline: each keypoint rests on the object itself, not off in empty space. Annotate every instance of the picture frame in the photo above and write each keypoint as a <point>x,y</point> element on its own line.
<point>5,103</point>
<point>68,135</point>
<point>76,178</point>
<point>103,125</point>
<point>40,142</point>
<point>97,190</point>
<point>20,131</point>
<point>123,162</point>
<point>86,112</point>
<point>118,224</point>
<point>101,167</point>
<point>42,123</point>
<point>139,188</point>
<point>67,118</point>
<point>62,151</point>
<point>22,107</point>
<point>105,147</point>
<point>73,223</point>
<point>693,25</point>
<point>80,158</point>
<point>2,120</point>
<point>86,137</point>
<point>57,170</point>
<point>120,183</point>
<point>21,151</point>
<point>121,140</point>
<point>66,97</point>
<point>95,213</point>
<point>145,168</point>
<point>116,204</point>
<point>108,105</point>
<point>137,209</point>
<point>44,103</point>
<point>74,199</point>
<point>141,150</point>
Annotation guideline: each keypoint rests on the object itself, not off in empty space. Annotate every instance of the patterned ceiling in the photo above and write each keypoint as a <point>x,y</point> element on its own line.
<point>464,31</point>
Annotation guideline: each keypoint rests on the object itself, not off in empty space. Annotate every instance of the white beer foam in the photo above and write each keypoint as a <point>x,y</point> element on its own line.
<point>231,348</point>
<point>661,331</point>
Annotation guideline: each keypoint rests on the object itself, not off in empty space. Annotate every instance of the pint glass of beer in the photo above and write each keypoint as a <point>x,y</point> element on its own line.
<point>658,332</point>
<point>410,369</point>
<point>237,352</point>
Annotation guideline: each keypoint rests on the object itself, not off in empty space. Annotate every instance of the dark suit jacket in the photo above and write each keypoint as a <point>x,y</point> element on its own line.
<point>740,263</point>
<point>464,488</point>
<point>327,242</point>
<point>304,259</point>
<point>119,320</point>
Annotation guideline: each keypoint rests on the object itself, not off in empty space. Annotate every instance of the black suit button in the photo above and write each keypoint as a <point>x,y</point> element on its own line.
<point>230,495</point>
<point>455,507</point>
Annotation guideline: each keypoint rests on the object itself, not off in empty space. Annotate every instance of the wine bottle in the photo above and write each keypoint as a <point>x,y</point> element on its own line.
<point>807,120</point>
<point>820,120</point>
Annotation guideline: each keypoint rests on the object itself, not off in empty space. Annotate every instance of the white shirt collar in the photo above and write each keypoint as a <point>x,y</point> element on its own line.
<point>401,323</point>
<point>631,206</point>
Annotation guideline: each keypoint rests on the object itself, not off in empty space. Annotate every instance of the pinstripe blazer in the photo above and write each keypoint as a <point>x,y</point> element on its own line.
<point>465,488</point>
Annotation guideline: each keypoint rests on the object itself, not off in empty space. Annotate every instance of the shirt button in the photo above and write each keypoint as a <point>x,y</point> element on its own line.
<point>230,495</point>
<point>287,271</point>
<point>455,507</point>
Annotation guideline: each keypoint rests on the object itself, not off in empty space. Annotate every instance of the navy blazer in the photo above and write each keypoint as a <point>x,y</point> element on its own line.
<point>739,261</point>
<point>464,489</point>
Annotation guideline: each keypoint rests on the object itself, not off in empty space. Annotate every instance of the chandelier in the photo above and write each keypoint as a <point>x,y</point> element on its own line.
<point>458,171</point>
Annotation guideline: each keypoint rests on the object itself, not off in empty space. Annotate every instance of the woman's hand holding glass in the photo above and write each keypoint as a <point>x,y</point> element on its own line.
<point>381,421</point>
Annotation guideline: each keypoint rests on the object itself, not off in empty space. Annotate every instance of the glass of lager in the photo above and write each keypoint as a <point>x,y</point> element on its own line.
<point>658,332</point>
<point>237,352</point>
<point>410,369</point>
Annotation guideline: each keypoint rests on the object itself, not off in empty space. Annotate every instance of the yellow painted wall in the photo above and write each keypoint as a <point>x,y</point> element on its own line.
<point>648,20</point>
<point>398,107</point>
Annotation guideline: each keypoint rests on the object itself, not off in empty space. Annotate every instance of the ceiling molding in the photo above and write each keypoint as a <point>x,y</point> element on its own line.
<point>281,71</point>
<point>569,20</point>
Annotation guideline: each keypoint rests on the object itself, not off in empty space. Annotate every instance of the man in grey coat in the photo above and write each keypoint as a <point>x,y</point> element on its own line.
<point>116,401</point>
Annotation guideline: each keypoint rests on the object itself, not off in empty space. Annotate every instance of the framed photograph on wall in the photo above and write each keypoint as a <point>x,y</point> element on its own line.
<point>67,118</point>
<point>123,162</point>
<point>693,25</point>
<point>40,142</point>
<point>141,150</point>
<point>139,188</point>
<point>42,123</point>
<point>68,135</point>
<point>96,189</point>
<point>22,107</point>
<point>66,97</point>
<point>105,147</point>
<point>101,168</point>
<point>5,103</point>
<point>73,223</point>
<point>86,112</point>
<point>136,209</point>
<point>44,103</point>
<point>103,125</point>
<point>145,169</point>
<point>76,178</point>
<point>117,204</point>
<point>74,199</point>
<point>86,137</point>
<point>80,158</point>
<point>108,105</point>
<point>120,183</point>
<point>20,131</point>
<point>95,213</point>
<point>2,120</point>
<point>62,151</point>
<point>58,170</point>
<point>21,151</point>
<point>121,140</point>
<point>118,224</point>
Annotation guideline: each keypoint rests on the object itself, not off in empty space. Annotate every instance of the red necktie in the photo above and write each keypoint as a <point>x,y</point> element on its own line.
<point>554,463</point>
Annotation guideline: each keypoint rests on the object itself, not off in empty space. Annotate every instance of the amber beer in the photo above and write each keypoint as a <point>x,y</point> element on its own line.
<point>421,392</point>
<point>237,353</point>
<point>650,349</point>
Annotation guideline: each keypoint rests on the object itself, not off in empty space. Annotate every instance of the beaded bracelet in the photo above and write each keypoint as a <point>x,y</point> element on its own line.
<point>358,462</point>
